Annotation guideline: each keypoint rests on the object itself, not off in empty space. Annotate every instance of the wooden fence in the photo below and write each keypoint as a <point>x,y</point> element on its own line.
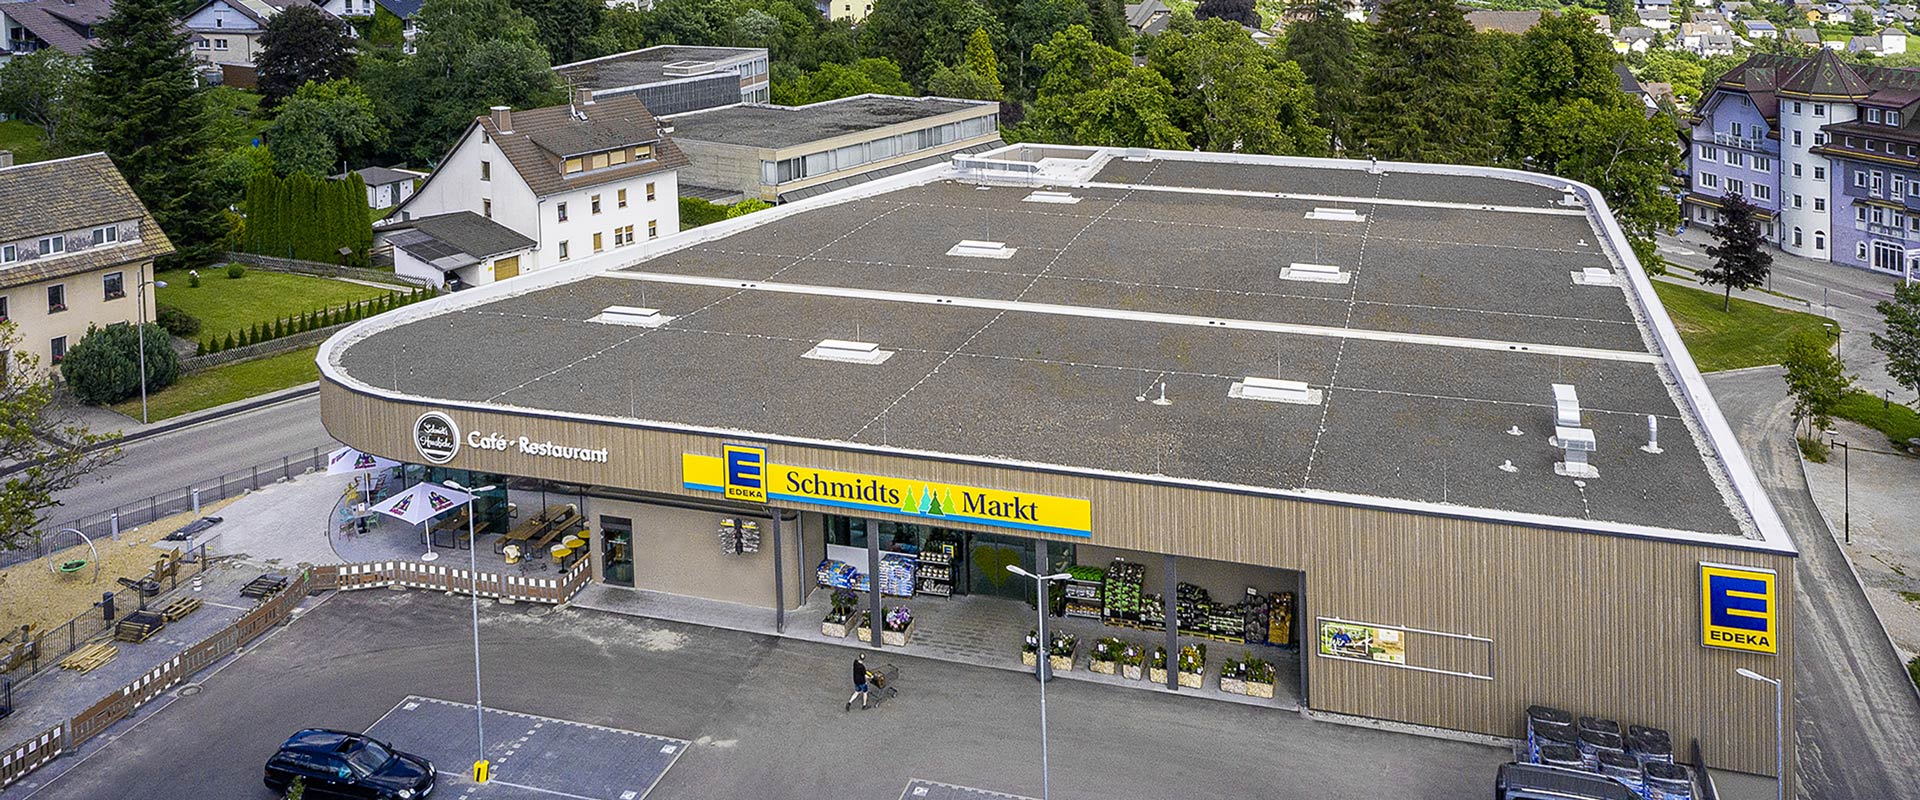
<point>17,761</point>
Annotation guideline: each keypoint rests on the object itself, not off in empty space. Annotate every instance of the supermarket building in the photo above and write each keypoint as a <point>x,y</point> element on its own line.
<point>1437,409</point>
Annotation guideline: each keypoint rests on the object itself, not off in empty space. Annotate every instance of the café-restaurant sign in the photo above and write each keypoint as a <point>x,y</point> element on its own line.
<point>743,472</point>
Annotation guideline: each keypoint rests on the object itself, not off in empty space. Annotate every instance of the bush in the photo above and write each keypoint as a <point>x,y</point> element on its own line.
<point>176,321</point>
<point>228,344</point>
<point>1813,450</point>
<point>1913,670</point>
<point>695,212</point>
<point>193,278</point>
<point>746,207</point>
<point>234,271</point>
<point>104,367</point>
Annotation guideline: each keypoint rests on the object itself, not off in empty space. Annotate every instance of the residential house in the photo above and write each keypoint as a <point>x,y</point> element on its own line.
<point>78,255</point>
<point>66,25</point>
<point>455,250</point>
<point>780,153</point>
<point>1712,21</point>
<point>1518,22</point>
<point>1704,40</point>
<point>1806,36</point>
<point>386,187</point>
<point>1830,152</point>
<point>228,31</point>
<point>1148,17</point>
<point>1659,19</point>
<point>347,9</point>
<point>1631,85</point>
<point>578,179</point>
<point>673,79</point>
<point>1645,4</point>
<point>1762,29</point>
<point>1636,39</point>
<point>853,11</point>
<point>1902,14</point>
<point>1892,41</point>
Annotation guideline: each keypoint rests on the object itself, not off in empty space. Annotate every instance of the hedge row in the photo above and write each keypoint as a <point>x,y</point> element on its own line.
<point>312,320</point>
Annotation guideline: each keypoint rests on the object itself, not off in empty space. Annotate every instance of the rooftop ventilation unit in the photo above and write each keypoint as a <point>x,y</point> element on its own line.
<point>1337,215</point>
<point>630,315</point>
<point>849,352</point>
<point>970,248</point>
<point>1274,390</point>
<point>682,69</point>
<point>1595,276</point>
<point>1139,154</point>
<point>1569,198</point>
<point>1058,198</point>
<point>1575,441</point>
<point>1315,273</point>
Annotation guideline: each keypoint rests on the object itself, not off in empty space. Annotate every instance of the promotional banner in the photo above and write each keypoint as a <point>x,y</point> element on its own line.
<point>744,473</point>
<point>1363,642</point>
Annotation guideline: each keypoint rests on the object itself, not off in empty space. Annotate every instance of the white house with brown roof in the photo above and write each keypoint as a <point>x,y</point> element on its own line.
<point>577,179</point>
<point>75,257</point>
<point>228,31</point>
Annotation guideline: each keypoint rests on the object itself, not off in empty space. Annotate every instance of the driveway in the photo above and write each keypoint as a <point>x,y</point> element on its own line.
<point>1858,731</point>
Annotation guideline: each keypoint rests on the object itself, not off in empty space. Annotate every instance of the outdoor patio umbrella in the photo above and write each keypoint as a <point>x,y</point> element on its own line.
<point>348,461</point>
<point>422,502</point>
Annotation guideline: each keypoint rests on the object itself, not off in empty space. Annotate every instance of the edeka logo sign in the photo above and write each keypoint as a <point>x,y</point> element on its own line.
<point>744,473</point>
<point>1738,608</point>
<point>436,437</point>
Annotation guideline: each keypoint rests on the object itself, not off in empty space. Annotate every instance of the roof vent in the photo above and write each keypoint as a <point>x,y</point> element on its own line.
<point>1337,215</point>
<point>1139,154</point>
<point>1568,198</point>
<point>1274,390</point>
<point>682,69</point>
<point>1574,440</point>
<point>629,315</point>
<point>976,249</point>
<point>1595,276</point>
<point>849,352</point>
<point>1315,273</point>
<point>1059,198</point>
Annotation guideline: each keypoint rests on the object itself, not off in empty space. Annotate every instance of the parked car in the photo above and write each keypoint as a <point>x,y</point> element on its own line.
<point>339,764</point>
<point>1520,781</point>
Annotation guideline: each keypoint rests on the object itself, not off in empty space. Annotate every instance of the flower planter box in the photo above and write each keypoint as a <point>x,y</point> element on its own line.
<point>837,630</point>
<point>1230,685</point>
<point>1130,672</point>
<point>1029,658</point>
<point>865,633</point>
<point>1158,675</point>
<point>1258,689</point>
<point>1060,663</point>
<point>1102,667</point>
<point>897,638</point>
<point>1192,680</point>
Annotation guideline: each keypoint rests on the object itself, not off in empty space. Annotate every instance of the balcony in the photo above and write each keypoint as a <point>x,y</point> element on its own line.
<point>1890,231</point>
<point>1725,139</point>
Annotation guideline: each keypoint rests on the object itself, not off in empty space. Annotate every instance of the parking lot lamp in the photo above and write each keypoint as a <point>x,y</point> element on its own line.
<point>473,591</point>
<point>1779,731</point>
<point>1040,660</point>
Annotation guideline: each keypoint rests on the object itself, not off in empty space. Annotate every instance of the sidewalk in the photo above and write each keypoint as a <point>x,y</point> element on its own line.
<point>1883,490</point>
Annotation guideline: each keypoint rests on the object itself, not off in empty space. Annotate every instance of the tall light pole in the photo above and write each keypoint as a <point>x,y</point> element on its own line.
<point>140,299</point>
<point>1040,661</point>
<point>473,591</point>
<point>1779,731</point>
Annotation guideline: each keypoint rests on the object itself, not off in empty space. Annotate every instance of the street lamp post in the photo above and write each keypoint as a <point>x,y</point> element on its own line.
<point>1779,731</point>
<point>473,591</point>
<point>1846,490</point>
<point>1040,661</point>
<point>140,299</point>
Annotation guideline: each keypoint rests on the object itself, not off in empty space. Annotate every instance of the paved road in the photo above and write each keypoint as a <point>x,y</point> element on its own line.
<point>1858,727</point>
<point>198,454</point>
<point>764,715</point>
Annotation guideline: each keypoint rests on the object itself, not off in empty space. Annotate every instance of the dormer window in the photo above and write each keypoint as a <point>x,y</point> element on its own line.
<point>9,254</point>
<point>1893,118</point>
<point>1873,115</point>
<point>575,165</point>
<point>53,244</point>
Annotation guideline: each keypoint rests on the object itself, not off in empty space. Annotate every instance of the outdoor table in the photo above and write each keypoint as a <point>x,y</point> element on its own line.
<point>573,542</point>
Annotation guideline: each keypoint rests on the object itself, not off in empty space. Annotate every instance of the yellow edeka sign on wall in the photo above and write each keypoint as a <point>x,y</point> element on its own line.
<point>1739,608</point>
<point>743,473</point>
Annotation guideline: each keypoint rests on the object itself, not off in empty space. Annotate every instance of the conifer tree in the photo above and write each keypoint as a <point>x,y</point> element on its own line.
<point>1740,259</point>
<point>1426,88</point>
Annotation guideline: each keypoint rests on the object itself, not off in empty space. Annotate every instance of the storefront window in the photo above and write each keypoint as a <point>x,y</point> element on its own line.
<point>616,550</point>
<point>490,509</point>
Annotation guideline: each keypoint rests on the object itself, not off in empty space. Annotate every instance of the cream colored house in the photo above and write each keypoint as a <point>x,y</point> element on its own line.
<point>76,256</point>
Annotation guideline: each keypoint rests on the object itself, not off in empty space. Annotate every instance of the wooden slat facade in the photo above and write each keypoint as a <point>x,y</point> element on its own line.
<point>1597,624</point>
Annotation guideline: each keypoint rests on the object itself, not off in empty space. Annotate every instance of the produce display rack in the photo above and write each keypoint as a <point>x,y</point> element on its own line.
<point>1121,592</point>
<point>935,575</point>
<point>1083,599</point>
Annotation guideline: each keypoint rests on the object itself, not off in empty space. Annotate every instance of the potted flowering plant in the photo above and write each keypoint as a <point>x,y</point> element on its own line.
<point>1060,650</point>
<point>1233,676</point>
<point>1260,678</point>
<point>1105,658</point>
<point>896,625</point>
<point>1030,649</point>
<point>1132,656</point>
<point>1157,666</point>
<point>1193,665</point>
<point>839,621</point>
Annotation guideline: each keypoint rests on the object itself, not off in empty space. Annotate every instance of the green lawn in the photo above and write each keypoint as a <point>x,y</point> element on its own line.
<point>222,385</point>
<point>24,140</point>
<point>1752,335</point>
<point>224,304</point>
<point>1897,421</point>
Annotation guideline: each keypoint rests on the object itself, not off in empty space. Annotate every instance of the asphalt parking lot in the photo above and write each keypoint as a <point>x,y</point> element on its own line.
<point>530,756</point>
<point>763,718</point>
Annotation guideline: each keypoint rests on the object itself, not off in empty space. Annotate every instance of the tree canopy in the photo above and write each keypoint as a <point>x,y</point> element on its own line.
<point>1901,342</point>
<point>834,81</point>
<point>301,44</point>
<point>319,124</point>
<point>1093,94</point>
<point>1234,95</point>
<point>1740,259</point>
<point>1324,45</point>
<point>43,88</point>
<point>58,450</point>
<point>1424,97</point>
<point>470,55</point>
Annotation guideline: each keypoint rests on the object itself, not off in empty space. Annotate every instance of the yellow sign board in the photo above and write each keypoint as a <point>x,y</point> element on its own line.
<point>744,473</point>
<point>1739,608</point>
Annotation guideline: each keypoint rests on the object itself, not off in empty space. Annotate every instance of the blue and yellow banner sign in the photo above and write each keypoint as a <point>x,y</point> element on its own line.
<point>1739,608</point>
<point>743,473</point>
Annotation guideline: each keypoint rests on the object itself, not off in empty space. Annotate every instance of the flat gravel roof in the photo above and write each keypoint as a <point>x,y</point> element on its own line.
<point>1434,362</point>
<point>776,127</point>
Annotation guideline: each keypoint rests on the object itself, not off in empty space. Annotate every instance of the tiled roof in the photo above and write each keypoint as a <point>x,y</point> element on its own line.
<point>404,9</point>
<point>543,137</point>
<point>67,26</point>
<point>1825,75</point>
<point>69,194</point>
<point>451,241</point>
<point>1517,21</point>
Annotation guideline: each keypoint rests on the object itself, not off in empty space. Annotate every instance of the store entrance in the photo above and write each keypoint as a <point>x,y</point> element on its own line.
<point>988,557</point>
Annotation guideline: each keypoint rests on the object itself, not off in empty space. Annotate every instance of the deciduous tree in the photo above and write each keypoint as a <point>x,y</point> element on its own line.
<point>1239,12</point>
<point>51,451</point>
<point>1235,95</point>
<point>1094,95</point>
<point>301,44</point>
<point>1816,380</point>
<point>977,77</point>
<point>43,88</point>
<point>1740,259</point>
<point>319,124</point>
<point>834,81</point>
<point>470,55</point>
<point>920,35</point>
<point>1901,342</point>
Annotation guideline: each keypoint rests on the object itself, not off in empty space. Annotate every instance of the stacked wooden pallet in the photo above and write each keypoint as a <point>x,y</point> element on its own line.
<point>179,608</point>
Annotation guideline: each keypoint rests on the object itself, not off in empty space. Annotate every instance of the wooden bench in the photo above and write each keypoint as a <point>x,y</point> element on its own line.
<point>562,527</point>
<point>454,527</point>
<point>538,528</point>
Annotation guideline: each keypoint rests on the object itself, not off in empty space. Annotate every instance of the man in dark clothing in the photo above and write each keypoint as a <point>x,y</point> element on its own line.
<point>860,676</point>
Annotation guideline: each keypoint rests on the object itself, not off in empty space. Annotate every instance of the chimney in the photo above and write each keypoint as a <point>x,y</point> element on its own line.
<point>6,158</point>
<point>582,97</point>
<point>503,119</point>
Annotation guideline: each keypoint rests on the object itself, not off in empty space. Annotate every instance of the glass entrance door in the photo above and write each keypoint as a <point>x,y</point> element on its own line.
<point>616,550</point>
<point>987,559</point>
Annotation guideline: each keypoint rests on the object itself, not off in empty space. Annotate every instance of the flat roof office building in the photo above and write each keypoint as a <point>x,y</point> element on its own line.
<point>673,79</point>
<point>1438,409</point>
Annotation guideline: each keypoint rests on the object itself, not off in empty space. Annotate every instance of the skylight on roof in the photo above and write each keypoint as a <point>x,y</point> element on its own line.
<point>849,352</point>
<point>970,248</point>
<point>1336,214</point>
<point>630,315</point>
<point>1314,273</point>
<point>1274,390</point>
<point>1060,198</point>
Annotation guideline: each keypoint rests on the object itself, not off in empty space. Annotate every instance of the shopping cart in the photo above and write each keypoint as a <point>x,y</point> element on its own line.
<point>881,681</point>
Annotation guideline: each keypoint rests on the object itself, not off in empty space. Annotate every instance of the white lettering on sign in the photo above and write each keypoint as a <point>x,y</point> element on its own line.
<point>526,446</point>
